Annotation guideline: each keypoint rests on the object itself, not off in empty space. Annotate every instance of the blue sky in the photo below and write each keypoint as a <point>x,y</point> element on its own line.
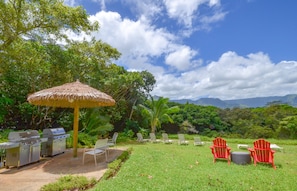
<point>227,49</point>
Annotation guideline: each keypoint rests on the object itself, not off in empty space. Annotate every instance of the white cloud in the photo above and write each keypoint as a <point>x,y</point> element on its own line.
<point>138,41</point>
<point>232,77</point>
<point>145,46</point>
<point>146,8</point>
<point>131,37</point>
<point>102,3</point>
<point>217,16</point>
<point>185,11</point>
<point>181,58</point>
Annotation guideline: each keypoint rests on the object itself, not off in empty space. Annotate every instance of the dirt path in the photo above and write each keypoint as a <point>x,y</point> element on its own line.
<point>33,176</point>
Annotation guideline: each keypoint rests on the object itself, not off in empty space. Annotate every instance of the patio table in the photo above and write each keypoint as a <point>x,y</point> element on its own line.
<point>240,157</point>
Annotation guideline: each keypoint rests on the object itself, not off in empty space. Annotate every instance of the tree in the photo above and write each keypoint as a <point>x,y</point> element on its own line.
<point>186,127</point>
<point>40,19</point>
<point>289,124</point>
<point>157,112</point>
<point>31,59</point>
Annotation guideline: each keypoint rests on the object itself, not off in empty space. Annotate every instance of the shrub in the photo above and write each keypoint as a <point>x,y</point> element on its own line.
<point>259,132</point>
<point>4,134</point>
<point>114,166</point>
<point>132,125</point>
<point>70,183</point>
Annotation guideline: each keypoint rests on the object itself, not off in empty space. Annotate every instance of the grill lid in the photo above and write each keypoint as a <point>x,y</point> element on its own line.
<point>47,133</point>
<point>23,135</point>
<point>8,145</point>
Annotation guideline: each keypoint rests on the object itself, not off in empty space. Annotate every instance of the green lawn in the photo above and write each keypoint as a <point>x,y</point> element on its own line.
<point>174,167</point>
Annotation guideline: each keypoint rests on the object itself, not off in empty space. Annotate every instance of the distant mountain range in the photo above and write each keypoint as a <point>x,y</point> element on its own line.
<point>243,103</point>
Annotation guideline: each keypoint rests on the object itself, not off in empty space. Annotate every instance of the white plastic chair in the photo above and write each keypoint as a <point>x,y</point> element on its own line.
<point>182,140</point>
<point>112,142</point>
<point>141,139</point>
<point>166,140</point>
<point>198,142</point>
<point>153,138</point>
<point>99,148</point>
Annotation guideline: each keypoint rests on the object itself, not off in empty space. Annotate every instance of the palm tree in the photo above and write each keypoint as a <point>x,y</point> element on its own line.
<point>157,112</point>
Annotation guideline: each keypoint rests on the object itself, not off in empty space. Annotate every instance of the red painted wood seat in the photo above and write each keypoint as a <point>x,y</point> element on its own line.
<point>262,152</point>
<point>220,150</point>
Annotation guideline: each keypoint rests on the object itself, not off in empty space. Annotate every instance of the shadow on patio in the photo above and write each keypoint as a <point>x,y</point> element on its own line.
<point>32,176</point>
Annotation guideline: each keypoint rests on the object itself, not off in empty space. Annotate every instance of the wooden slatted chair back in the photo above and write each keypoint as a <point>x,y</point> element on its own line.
<point>220,147</point>
<point>262,150</point>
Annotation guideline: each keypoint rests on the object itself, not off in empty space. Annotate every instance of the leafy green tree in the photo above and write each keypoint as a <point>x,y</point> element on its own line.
<point>157,111</point>
<point>40,19</point>
<point>289,124</point>
<point>28,30</point>
<point>256,132</point>
<point>187,127</point>
<point>94,123</point>
<point>128,89</point>
<point>4,103</point>
<point>201,117</point>
<point>32,60</point>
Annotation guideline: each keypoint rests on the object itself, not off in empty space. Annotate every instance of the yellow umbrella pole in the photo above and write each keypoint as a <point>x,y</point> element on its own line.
<point>75,130</point>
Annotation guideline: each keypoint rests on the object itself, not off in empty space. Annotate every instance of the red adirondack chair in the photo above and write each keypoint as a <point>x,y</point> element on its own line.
<point>262,152</point>
<point>220,150</point>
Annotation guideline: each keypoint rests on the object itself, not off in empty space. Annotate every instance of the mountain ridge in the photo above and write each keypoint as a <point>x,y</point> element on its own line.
<point>290,99</point>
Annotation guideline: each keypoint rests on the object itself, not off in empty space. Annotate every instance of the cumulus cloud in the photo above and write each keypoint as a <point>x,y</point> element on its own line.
<point>138,41</point>
<point>131,37</point>
<point>178,70</point>
<point>233,77</point>
<point>146,8</point>
<point>186,11</point>
<point>181,58</point>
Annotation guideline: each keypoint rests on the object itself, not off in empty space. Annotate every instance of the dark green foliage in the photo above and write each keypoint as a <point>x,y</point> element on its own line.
<point>128,133</point>
<point>275,121</point>
<point>4,103</point>
<point>94,122</point>
<point>257,132</point>
<point>157,112</point>
<point>132,127</point>
<point>4,135</point>
<point>65,119</point>
<point>85,139</point>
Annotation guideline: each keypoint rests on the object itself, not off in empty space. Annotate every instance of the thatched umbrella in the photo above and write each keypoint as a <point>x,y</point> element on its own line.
<point>71,95</point>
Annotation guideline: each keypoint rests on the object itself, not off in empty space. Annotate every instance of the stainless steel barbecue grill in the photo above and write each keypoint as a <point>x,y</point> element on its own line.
<point>23,148</point>
<point>56,141</point>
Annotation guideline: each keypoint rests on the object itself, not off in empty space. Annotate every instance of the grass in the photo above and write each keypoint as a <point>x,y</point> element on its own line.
<point>174,167</point>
